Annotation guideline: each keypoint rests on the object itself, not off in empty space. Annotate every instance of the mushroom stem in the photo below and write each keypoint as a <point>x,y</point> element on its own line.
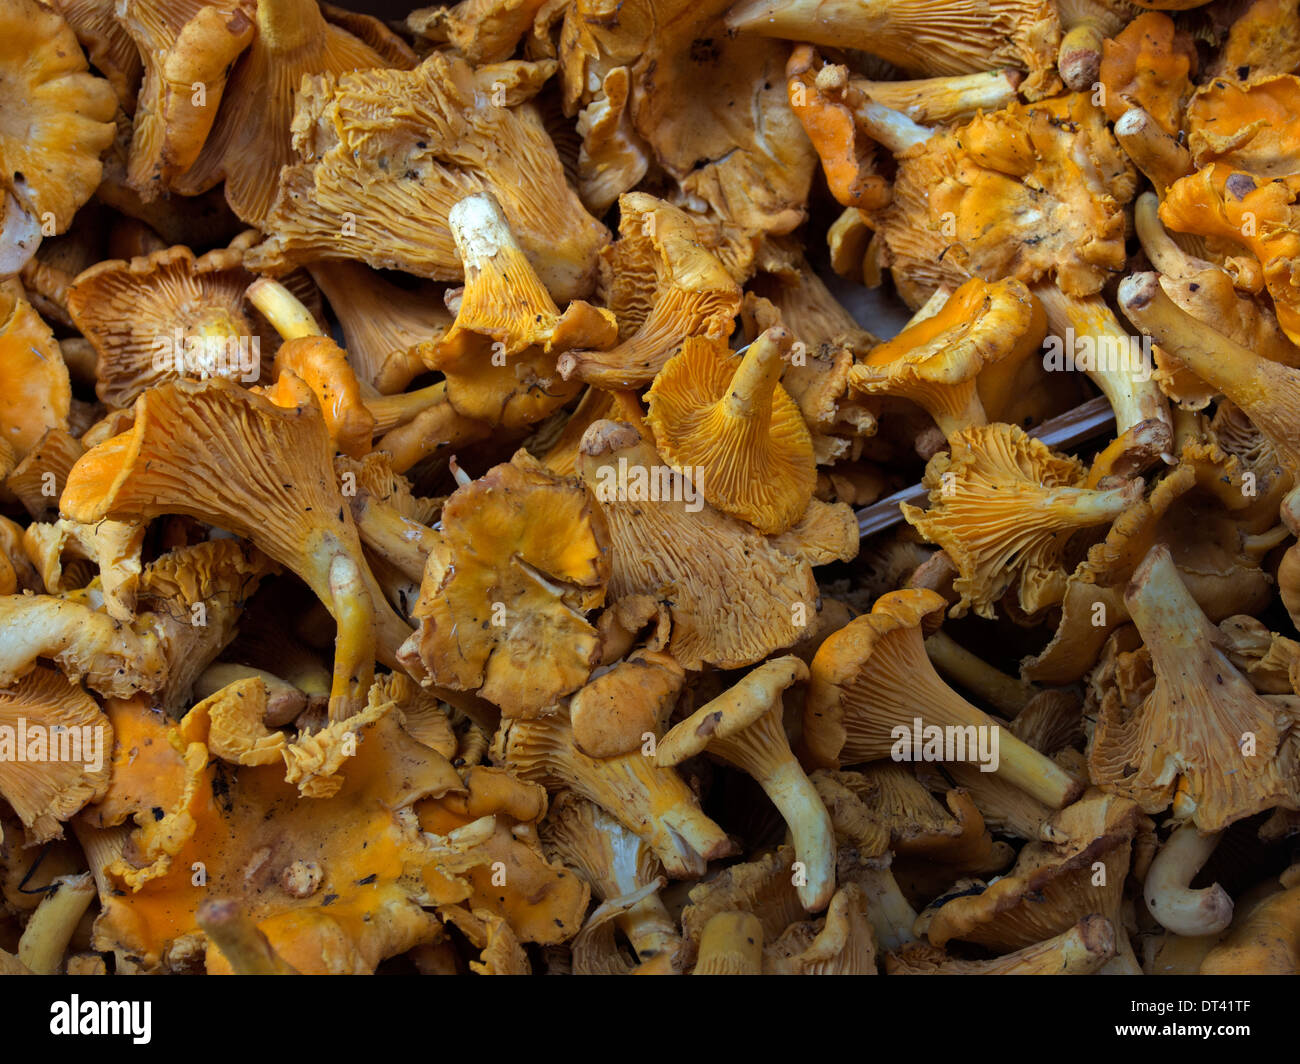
<point>1153,150</point>
<point>281,307</point>
<point>1003,692</point>
<point>1267,392</point>
<point>1133,399</point>
<point>240,940</point>
<point>390,411</point>
<point>649,928</point>
<point>1169,898</point>
<point>284,701</point>
<point>402,542</point>
<point>354,651</point>
<point>942,99</point>
<point>283,25</point>
<point>731,944</point>
<point>797,800</point>
<point>437,425</point>
<point>1165,254</point>
<point>1132,451</point>
<point>891,128</point>
<point>48,932</point>
<point>1079,57</point>
<point>892,916</point>
<point>755,381</point>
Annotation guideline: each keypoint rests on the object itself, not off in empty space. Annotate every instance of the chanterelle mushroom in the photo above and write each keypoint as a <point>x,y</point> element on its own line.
<point>523,555</point>
<point>449,131</point>
<point>59,118</point>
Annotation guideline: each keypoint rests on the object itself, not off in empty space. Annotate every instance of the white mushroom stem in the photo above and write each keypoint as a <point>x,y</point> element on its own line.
<point>892,916</point>
<point>891,128</point>
<point>1171,901</point>
<point>945,98</point>
<point>282,309</point>
<point>48,932</point>
<point>1152,150</point>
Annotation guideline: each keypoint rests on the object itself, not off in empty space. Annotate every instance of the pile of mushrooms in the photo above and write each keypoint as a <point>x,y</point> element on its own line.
<point>435,457</point>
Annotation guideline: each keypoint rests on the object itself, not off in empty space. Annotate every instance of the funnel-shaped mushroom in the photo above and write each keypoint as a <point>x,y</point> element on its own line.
<point>616,863</point>
<point>668,543</point>
<point>449,131</point>
<point>727,423</point>
<point>499,356</point>
<point>187,48</point>
<point>1201,726</point>
<point>250,137</point>
<point>663,286</point>
<point>54,751</point>
<point>522,557</point>
<point>951,37</point>
<point>1003,506</point>
<point>872,678</point>
<point>652,802</point>
<point>167,315</point>
<point>743,726</point>
<point>59,118</point>
<point>967,352</point>
<point>219,454</point>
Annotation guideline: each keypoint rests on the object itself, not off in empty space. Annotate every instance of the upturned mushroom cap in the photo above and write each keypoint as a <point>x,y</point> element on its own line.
<point>524,556</point>
<point>60,118</point>
<point>444,139</point>
<point>663,287</point>
<point>762,887</point>
<point>1200,725</point>
<point>1244,124</point>
<point>183,46</point>
<point>921,38</point>
<point>1003,506</point>
<point>335,883</point>
<point>218,453</point>
<point>44,721</point>
<point>107,45</point>
<point>685,553</point>
<point>728,423</point>
<point>169,303</point>
<point>842,943</point>
<point>232,720</point>
<point>654,803</point>
<point>873,676</point>
<point>967,352</point>
<point>617,864</point>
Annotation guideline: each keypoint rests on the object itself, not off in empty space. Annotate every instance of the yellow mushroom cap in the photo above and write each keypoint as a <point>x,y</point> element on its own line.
<point>727,422</point>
